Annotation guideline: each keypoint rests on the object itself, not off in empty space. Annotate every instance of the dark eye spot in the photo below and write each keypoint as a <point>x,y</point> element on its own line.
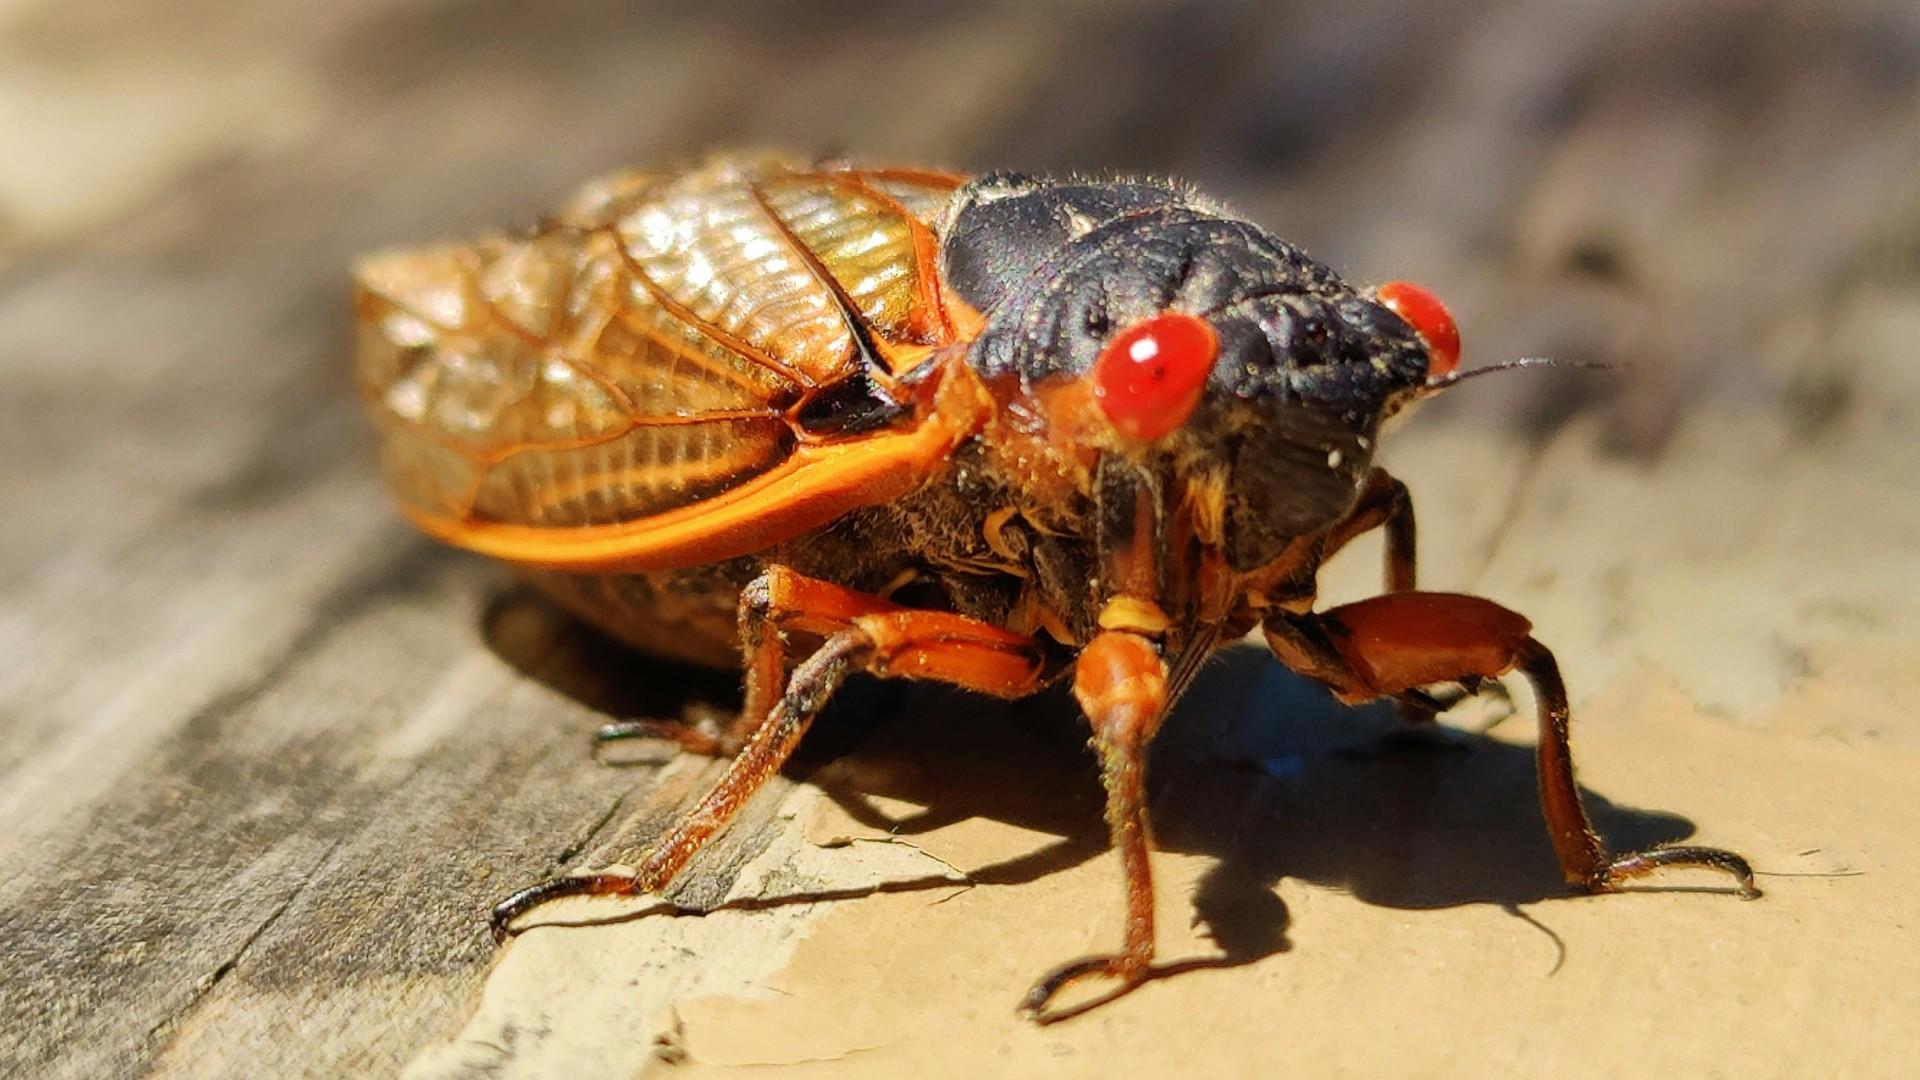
<point>1096,321</point>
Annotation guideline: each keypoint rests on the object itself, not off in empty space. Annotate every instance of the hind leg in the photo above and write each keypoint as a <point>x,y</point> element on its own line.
<point>687,618</point>
<point>861,633</point>
<point>767,607</point>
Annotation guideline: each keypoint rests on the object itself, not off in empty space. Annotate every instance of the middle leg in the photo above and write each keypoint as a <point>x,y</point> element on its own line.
<point>861,633</point>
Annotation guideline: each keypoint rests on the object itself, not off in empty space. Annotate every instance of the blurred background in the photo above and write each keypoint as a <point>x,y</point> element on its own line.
<point>211,625</point>
<point>1670,182</point>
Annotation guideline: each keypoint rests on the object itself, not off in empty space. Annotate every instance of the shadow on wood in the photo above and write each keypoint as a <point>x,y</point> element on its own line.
<point>1259,769</point>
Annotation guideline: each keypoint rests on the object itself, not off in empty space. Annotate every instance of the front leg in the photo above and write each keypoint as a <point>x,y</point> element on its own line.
<point>1120,682</point>
<point>1385,504</point>
<point>1392,645</point>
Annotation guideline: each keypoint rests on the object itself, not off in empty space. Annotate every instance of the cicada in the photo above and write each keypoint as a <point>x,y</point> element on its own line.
<point>815,420</point>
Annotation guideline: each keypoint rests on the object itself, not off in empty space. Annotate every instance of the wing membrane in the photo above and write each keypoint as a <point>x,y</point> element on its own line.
<point>643,354</point>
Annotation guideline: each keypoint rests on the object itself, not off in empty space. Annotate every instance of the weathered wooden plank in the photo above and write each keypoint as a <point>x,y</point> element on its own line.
<point>265,757</point>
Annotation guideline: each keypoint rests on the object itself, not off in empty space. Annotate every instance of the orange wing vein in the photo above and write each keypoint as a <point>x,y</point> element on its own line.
<point>618,390</point>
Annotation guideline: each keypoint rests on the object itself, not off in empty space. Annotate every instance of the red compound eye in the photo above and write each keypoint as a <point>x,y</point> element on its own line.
<point>1429,318</point>
<point>1149,377</point>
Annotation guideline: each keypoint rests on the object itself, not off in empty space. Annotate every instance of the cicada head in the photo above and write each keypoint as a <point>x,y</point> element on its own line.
<point>1135,319</point>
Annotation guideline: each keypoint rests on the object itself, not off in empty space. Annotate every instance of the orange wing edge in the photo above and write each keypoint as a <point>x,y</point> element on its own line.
<point>810,489</point>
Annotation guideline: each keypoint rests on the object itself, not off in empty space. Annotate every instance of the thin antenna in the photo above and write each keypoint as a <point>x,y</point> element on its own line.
<point>1452,378</point>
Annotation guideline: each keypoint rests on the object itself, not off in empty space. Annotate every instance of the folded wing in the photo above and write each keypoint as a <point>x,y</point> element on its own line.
<point>648,353</point>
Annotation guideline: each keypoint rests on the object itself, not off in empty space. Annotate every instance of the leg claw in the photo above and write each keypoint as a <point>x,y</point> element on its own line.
<point>1640,863</point>
<point>702,738</point>
<point>1127,972</point>
<point>500,922</point>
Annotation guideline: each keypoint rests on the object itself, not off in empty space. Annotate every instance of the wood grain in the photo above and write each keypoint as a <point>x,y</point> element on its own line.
<point>266,756</point>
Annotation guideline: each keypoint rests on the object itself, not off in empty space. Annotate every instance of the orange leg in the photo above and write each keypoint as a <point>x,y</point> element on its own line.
<point>698,734</point>
<point>1386,504</point>
<point>771,604</point>
<point>1394,644</point>
<point>862,633</point>
<point>1121,683</point>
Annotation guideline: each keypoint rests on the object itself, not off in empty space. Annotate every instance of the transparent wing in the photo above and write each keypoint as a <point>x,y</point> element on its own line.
<point>648,349</point>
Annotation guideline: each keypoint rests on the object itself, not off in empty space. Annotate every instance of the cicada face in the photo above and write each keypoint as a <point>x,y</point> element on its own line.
<point>1162,330</point>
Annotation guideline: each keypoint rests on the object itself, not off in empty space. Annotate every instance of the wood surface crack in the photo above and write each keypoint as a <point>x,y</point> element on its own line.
<point>334,609</point>
<point>573,851</point>
<point>206,984</point>
<point>963,880</point>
